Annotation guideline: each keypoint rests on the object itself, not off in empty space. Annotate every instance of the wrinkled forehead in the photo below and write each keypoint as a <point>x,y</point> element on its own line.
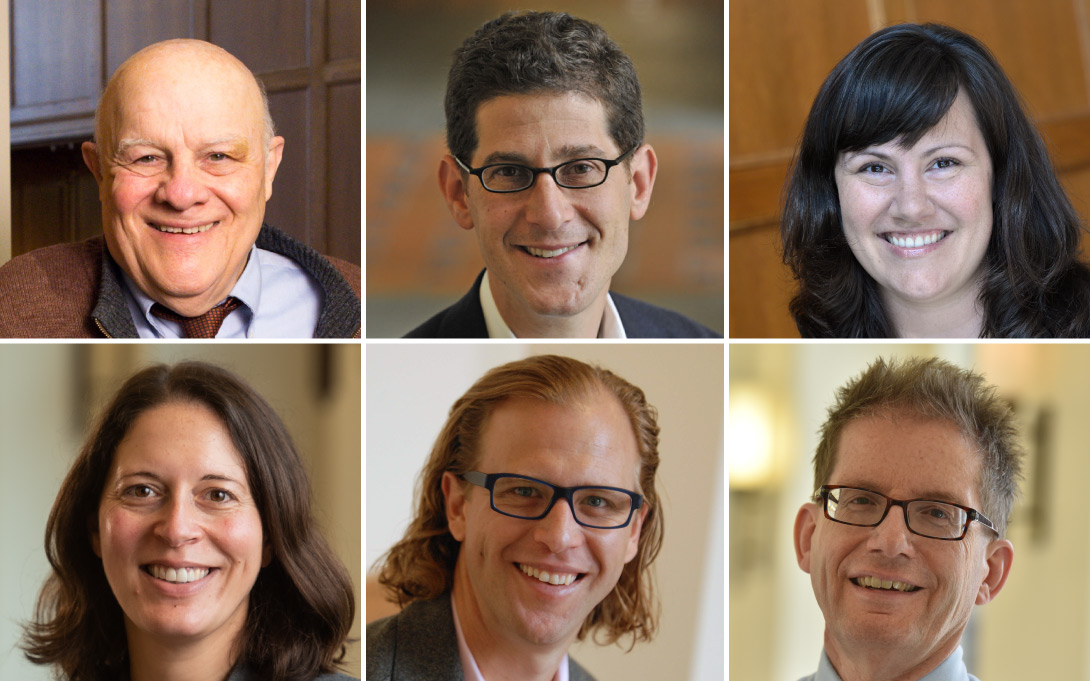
<point>202,95</point>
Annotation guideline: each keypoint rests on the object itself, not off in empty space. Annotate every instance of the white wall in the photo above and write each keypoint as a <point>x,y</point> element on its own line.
<point>410,389</point>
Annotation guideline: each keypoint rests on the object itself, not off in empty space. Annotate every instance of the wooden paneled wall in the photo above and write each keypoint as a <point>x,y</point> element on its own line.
<point>780,53</point>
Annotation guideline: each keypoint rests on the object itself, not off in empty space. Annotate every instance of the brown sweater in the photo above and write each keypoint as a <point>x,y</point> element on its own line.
<point>70,291</point>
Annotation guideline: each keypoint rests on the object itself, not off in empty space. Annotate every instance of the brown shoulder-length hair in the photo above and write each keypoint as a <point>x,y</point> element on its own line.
<point>302,604</point>
<point>421,565</point>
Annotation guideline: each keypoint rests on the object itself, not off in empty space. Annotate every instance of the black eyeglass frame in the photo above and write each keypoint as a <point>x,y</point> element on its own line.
<point>971,514</point>
<point>488,481</point>
<point>551,171</point>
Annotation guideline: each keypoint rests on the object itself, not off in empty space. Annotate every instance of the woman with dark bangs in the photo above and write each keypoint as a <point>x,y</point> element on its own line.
<point>183,545</point>
<point>923,203</point>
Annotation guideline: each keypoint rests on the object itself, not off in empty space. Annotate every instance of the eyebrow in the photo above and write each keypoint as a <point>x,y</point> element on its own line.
<point>237,143</point>
<point>849,155</point>
<point>219,477</point>
<point>570,152</point>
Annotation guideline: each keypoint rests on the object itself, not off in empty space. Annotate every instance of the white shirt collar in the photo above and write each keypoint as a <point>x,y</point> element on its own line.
<point>469,665</point>
<point>611,326</point>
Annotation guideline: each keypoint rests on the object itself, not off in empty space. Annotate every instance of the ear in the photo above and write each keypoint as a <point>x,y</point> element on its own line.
<point>273,155</point>
<point>452,184</point>
<point>454,499</point>
<point>635,528</point>
<point>90,157</point>
<point>644,167</point>
<point>998,557</point>
<point>805,524</point>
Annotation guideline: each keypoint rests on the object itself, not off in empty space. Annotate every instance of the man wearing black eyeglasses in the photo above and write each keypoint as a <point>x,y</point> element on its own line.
<point>536,526</point>
<point>547,165</point>
<point>915,476</point>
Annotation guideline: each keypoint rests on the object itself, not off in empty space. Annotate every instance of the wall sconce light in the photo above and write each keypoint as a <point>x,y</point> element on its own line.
<point>751,438</point>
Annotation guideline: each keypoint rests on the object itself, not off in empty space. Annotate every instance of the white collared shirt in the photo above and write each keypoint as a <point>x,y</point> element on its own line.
<point>279,300</point>
<point>611,326</point>
<point>469,665</point>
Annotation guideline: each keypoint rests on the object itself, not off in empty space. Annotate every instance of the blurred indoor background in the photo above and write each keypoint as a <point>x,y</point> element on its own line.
<point>410,390</point>
<point>1037,627</point>
<point>51,392</point>
<point>419,261</point>
<point>782,50</point>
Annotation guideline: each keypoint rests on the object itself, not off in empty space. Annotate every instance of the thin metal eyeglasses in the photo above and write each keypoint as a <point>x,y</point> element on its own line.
<point>580,173</point>
<point>925,517</point>
<point>517,496</point>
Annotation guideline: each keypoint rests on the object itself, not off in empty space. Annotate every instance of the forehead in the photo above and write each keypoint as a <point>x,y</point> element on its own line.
<point>958,126</point>
<point>907,456</point>
<point>541,123</point>
<point>198,97</point>
<point>178,436</point>
<point>592,441</point>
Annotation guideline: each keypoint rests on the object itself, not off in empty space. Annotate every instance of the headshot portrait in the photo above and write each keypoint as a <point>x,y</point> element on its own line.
<point>896,510</point>
<point>545,151</point>
<point>195,519</point>
<point>528,508</point>
<point>930,193</point>
<point>181,196</point>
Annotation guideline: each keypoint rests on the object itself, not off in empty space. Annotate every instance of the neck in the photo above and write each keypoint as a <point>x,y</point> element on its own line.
<point>957,317</point>
<point>884,662</point>
<point>526,323</point>
<point>501,656</point>
<point>156,659</point>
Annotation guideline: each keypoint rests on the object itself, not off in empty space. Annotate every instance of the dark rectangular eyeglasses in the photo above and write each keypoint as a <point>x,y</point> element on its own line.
<point>580,173</point>
<point>925,517</point>
<point>518,496</point>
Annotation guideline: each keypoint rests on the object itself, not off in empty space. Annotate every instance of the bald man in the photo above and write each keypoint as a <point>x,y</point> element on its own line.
<point>184,155</point>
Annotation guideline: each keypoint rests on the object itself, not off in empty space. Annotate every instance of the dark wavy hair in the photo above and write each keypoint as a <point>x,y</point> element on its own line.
<point>302,604</point>
<point>522,53</point>
<point>896,85</point>
<point>421,565</point>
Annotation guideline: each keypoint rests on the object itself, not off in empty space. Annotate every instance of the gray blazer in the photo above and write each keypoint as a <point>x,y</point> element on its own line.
<point>419,644</point>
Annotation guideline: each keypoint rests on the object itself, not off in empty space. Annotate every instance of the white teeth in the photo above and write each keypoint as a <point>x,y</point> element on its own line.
<point>180,230</point>
<point>916,241</point>
<point>179,576</point>
<point>556,579</point>
<point>542,253</point>
<point>876,583</point>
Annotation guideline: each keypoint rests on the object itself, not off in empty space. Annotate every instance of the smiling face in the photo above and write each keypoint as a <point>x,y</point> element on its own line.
<point>184,171</point>
<point>499,588</point>
<point>550,251</point>
<point>919,220</point>
<point>903,457</point>
<point>178,532</point>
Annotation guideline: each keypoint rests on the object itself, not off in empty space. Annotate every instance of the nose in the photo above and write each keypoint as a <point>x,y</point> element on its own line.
<point>547,206</point>
<point>912,202</point>
<point>892,536</point>
<point>558,530</point>
<point>178,523</point>
<point>182,186</point>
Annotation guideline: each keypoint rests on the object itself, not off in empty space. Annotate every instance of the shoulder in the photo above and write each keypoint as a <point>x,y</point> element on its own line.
<point>417,644</point>
<point>577,673</point>
<point>463,319</point>
<point>335,677</point>
<point>50,291</point>
<point>643,320</point>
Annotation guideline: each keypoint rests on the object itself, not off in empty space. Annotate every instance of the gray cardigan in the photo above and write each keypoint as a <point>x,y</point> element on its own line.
<point>419,644</point>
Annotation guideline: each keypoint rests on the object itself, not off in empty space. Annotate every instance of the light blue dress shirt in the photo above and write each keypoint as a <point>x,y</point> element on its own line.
<point>279,300</point>
<point>952,669</point>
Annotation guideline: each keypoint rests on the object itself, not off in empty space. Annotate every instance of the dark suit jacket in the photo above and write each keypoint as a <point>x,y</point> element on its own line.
<point>419,644</point>
<point>465,319</point>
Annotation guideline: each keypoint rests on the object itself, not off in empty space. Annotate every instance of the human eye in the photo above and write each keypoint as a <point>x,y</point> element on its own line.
<point>525,492</point>
<point>945,163</point>
<point>873,168</point>
<point>139,492</point>
<point>220,496</point>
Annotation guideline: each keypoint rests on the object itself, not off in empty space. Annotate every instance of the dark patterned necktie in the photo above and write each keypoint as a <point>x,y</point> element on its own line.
<point>201,326</point>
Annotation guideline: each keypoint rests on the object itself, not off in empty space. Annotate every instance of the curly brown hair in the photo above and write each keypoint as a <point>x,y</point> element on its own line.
<point>421,565</point>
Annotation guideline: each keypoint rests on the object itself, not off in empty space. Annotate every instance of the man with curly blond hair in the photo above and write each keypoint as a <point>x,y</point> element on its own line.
<point>536,523</point>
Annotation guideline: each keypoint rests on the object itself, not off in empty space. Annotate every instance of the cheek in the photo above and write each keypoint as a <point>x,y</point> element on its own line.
<point>242,537</point>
